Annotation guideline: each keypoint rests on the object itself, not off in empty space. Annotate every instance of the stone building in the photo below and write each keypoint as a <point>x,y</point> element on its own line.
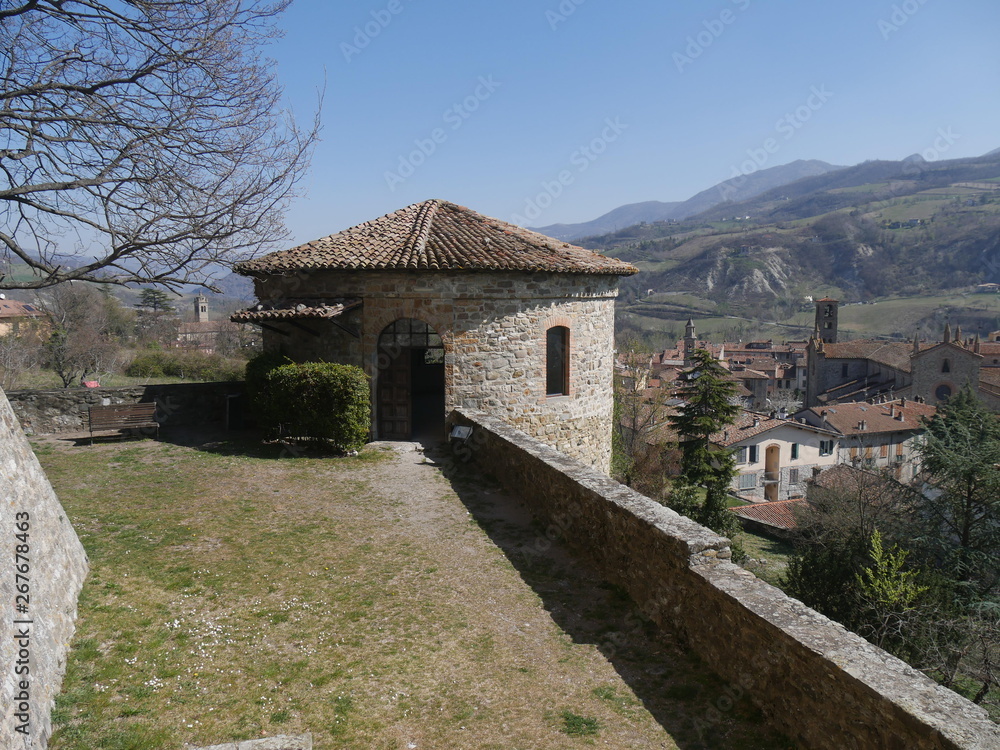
<point>776,457</point>
<point>867,370</point>
<point>883,435</point>
<point>443,308</point>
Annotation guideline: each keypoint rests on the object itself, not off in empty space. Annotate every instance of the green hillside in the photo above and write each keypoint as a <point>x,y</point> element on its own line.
<point>914,237</point>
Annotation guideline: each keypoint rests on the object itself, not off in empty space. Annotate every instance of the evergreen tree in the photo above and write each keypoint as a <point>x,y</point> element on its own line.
<point>708,408</point>
<point>959,526</point>
<point>154,300</point>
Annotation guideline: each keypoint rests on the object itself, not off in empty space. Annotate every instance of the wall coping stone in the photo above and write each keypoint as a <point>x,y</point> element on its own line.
<point>909,706</point>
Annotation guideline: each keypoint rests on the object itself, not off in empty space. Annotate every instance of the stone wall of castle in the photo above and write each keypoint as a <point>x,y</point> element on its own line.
<point>42,572</point>
<point>65,410</point>
<point>823,686</point>
<point>493,326</point>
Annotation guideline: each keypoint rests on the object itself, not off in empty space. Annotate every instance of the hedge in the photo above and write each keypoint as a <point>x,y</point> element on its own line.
<point>316,400</point>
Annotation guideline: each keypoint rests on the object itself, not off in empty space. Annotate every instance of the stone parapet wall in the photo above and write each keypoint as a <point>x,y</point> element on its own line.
<point>825,687</point>
<point>48,412</point>
<point>33,643</point>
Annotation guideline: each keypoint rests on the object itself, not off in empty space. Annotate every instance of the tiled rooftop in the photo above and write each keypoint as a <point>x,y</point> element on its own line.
<point>10,308</point>
<point>294,311</point>
<point>891,353</point>
<point>436,235</point>
<point>846,417</point>
<point>780,513</point>
<point>750,424</point>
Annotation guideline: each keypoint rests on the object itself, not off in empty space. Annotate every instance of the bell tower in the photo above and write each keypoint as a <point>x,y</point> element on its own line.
<point>201,309</point>
<point>826,319</point>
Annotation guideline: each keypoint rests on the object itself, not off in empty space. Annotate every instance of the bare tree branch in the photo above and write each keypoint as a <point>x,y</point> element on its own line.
<point>141,140</point>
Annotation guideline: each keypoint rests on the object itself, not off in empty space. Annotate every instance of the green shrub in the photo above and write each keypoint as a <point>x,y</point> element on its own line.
<point>184,364</point>
<point>314,400</point>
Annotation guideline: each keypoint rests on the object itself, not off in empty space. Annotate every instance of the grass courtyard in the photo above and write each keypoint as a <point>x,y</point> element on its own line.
<point>237,591</point>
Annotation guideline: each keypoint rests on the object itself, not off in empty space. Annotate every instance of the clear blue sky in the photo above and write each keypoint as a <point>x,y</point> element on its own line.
<point>667,98</point>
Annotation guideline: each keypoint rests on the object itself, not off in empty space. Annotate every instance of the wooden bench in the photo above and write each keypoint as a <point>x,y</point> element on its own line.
<point>123,417</point>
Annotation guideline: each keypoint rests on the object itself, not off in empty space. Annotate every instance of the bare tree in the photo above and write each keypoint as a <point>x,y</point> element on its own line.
<point>19,352</point>
<point>80,344</point>
<point>141,140</point>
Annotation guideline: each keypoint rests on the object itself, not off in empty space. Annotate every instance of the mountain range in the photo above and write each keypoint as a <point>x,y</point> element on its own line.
<point>877,229</point>
<point>735,189</point>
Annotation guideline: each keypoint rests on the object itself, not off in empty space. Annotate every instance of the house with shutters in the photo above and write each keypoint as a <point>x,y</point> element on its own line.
<point>776,457</point>
<point>444,307</point>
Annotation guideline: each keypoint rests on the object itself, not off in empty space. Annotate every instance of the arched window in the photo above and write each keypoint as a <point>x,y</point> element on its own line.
<point>946,366</point>
<point>557,361</point>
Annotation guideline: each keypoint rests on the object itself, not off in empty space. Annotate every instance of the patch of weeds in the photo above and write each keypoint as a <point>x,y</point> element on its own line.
<point>579,726</point>
<point>622,704</point>
<point>280,717</point>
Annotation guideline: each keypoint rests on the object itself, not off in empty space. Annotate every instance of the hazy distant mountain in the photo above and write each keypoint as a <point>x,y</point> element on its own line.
<point>876,229</point>
<point>736,189</point>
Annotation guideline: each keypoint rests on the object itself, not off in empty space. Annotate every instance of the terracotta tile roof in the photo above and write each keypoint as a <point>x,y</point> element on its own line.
<point>294,311</point>
<point>779,513</point>
<point>10,308</point>
<point>436,235</point>
<point>846,417</point>
<point>990,376</point>
<point>750,424</point>
<point>891,353</point>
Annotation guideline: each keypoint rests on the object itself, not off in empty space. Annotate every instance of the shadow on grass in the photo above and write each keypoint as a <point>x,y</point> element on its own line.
<point>696,707</point>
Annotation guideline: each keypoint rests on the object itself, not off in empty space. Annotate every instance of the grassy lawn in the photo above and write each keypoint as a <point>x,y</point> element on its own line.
<point>236,593</point>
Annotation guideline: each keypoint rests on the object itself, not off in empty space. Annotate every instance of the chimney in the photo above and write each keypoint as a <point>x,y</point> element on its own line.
<point>902,401</point>
<point>756,421</point>
<point>892,411</point>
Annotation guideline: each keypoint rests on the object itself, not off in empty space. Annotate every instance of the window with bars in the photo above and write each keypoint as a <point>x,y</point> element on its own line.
<point>748,481</point>
<point>408,332</point>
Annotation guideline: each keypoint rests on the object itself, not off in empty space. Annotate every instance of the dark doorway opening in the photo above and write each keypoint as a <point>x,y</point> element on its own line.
<point>410,382</point>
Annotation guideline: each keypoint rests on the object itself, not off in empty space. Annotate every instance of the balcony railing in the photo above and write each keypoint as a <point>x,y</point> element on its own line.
<point>771,477</point>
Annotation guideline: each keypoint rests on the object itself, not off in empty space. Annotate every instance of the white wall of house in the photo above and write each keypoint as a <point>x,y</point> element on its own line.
<point>790,473</point>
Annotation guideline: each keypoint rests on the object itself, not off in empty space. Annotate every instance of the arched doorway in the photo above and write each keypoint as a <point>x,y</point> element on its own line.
<point>409,381</point>
<point>772,472</point>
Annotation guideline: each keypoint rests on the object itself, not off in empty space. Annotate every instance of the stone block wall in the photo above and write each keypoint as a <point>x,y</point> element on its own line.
<point>493,326</point>
<point>927,372</point>
<point>47,412</point>
<point>33,643</point>
<point>823,686</point>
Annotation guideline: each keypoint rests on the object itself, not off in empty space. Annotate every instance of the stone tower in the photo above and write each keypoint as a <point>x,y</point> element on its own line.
<point>445,308</point>
<point>201,309</point>
<point>826,319</point>
<point>690,340</point>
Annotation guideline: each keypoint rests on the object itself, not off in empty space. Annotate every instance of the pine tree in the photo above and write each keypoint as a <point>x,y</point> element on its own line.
<point>708,408</point>
<point>961,523</point>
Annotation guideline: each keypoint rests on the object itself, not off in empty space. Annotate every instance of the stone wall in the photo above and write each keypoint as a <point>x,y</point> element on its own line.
<point>43,412</point>
<point>493,326</point>
<point>33,643</point>
<point>928,365</point>
<point>823,686</point>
